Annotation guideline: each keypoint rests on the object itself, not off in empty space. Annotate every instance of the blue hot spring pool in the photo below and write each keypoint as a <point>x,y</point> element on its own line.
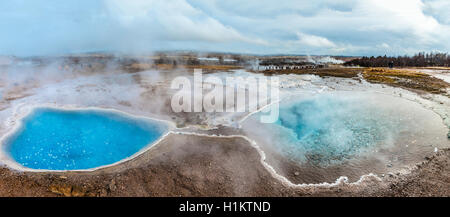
<point>327,129</point>
<point>54,139</point>
<point>348,134</point>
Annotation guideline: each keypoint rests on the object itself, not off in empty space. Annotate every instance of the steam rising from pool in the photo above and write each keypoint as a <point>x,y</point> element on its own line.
<point>347,134</point>
<point>327,129</point>
<point>54,139</point>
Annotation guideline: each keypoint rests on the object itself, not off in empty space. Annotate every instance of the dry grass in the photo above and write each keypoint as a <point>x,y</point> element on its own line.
<point>323,72</point>
<point>409,79</point>
<point>435,68</point>
<point>212,68</point>
<point>406,79</point>
<point>164,66</point>
<point>393,72</point>
<point>136,67</point>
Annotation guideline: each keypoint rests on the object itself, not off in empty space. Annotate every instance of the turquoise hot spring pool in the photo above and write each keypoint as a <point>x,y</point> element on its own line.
<point>53,139</point>
<point>342,133</point>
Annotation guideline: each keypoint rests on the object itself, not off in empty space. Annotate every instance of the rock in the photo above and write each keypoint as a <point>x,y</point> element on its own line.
<point>296,173</point>
<point>78,193</point>
<point>103,193</point>
<point>112,185</point>
<point>67,191</point>
<point>389,165</point>
<point>61,190</point>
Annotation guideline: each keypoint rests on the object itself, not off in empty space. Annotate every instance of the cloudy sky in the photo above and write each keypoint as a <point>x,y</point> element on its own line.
<point>344,27</point>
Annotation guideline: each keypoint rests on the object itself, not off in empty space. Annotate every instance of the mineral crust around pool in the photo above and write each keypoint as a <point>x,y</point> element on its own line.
<point>323,136</point>
<point>53,139</point>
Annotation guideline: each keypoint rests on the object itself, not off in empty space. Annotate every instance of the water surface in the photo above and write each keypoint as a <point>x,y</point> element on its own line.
<point>329,135</point>
<point>73,140</point>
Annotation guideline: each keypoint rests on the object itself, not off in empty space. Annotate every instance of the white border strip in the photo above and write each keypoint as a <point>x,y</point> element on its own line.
<point>282,179</point>
<point>8,161</point>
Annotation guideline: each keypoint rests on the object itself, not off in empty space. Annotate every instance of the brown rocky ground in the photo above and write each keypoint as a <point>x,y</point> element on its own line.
<point>431,179</point>
<point>179,166</point>
<point>185,165</point>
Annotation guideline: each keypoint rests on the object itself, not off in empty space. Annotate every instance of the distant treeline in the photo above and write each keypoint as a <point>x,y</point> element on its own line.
<point>418,60</point>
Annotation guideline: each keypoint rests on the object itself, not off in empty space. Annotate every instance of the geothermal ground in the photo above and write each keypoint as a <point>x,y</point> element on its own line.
<point>209,154</point>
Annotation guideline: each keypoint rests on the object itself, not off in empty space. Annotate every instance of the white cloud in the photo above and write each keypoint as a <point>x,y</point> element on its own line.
<point>314,41</point>
<point>349,27</point>
<point>173,19</point>
<point>384,45</point>
<point>439,9</point>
